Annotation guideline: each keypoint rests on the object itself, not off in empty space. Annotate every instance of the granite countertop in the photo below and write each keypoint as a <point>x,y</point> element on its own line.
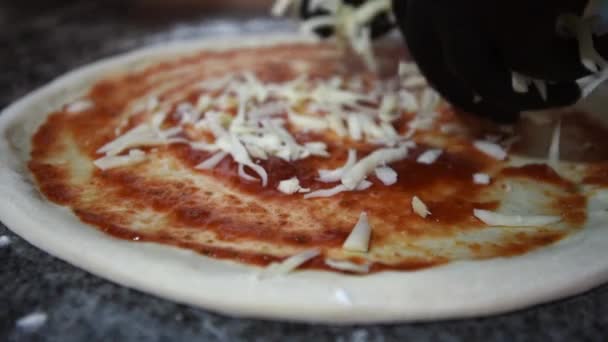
<point>82,307</point>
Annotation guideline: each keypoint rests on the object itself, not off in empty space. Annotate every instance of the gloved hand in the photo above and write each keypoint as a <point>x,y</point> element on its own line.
<point>468,47</point>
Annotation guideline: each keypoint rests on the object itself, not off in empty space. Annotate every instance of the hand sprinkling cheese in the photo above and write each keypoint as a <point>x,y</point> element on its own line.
<point>420,208</point>
<point>359,238</point>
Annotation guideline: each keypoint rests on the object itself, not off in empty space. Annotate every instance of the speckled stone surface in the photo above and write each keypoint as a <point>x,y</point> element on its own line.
<point>82,307</point>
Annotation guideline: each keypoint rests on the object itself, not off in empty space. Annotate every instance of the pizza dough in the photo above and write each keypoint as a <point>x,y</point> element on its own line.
<point>458,289</point>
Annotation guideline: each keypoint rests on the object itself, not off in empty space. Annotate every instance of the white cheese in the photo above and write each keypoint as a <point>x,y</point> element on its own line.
<point>290,264</point>
<point>330,176</point>
<point>348,266</point>
<point>140,136</point>
<point>386,175</point>
<point>355,129</point>
<point>408,69</point>
<point>388,108</point>
<point>243,174</point>
<point>407,101</point>
<point>364,185</point>
<point>80,106</point>
<point>420,208</point>
<point>496,219</point>
<point>414,82</point>
<point>493,150</point>
<point>429,157</point>
<point>481,179</point>
<point>291,186</point>
<point>359,238</point>
<point>111,162</point>
<point>554,148</point>
<point>241,156</point>
<point>212,162</point>
<point>590,57</point>
<point>520,83</point>
<point>542,88</point>
<point>308,122</point>
<point>365,166</point>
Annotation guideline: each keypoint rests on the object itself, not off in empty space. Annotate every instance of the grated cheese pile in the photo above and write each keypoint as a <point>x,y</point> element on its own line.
<point>266,116</point>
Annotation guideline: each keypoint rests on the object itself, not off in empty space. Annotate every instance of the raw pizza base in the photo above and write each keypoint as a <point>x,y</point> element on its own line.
<point>457,290</point>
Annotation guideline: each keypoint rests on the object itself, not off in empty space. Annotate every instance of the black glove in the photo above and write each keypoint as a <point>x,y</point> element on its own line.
<point>468,47</point>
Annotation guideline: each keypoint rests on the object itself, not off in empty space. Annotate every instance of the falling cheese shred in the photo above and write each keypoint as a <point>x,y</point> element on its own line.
<point>359,238</point>
<point>554,148</point>
<point>502,220</point>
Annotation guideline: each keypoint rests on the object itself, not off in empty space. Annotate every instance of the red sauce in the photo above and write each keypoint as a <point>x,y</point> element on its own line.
<point>445,186</point>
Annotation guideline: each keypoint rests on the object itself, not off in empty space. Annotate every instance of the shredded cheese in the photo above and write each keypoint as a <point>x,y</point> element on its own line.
<point>481,179</point>
<point>291,186</point>
<point>491,149</point>
<point>365,166</point>
<point>386,175</point>
<point>330,176</point>
<point>348,266</point>
<point>554,148</point>
<point>420,208</point>
<point>429,157</point>
<point>359,238</point>
<point>212,161</point>
<point>503,220</point>
<point>364,185</point>
<point>521,83</point>
<point>290,264</point>
<point>111,162</point>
